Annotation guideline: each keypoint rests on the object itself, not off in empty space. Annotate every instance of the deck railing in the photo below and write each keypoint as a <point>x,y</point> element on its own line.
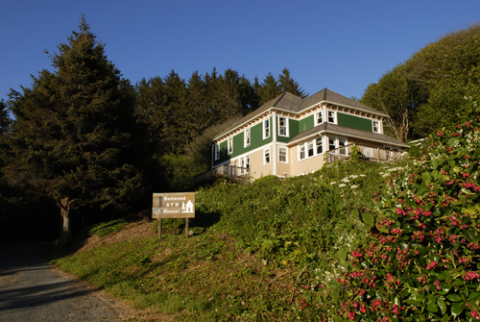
<point>367,153</point>
<point>230,171</point>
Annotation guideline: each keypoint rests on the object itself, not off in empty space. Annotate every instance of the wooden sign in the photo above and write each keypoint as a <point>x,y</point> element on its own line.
<point>173,205</point>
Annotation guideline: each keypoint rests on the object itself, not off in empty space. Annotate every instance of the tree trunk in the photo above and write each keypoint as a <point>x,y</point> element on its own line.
<point>65,211</point>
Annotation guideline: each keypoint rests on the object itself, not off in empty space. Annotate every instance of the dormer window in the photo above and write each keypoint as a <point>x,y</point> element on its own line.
<point>376,127</point>
<point>332,117</point>
<point>282,126</point>
<point>319,117</point>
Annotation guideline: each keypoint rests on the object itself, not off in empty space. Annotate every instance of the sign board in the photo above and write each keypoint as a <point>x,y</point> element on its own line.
<point>173,205</point>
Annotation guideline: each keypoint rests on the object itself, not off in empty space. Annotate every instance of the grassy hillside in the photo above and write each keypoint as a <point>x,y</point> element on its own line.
<point>352,241</point>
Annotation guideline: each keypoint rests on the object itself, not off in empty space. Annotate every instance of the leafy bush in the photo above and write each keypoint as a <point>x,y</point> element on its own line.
<point>423,261</point>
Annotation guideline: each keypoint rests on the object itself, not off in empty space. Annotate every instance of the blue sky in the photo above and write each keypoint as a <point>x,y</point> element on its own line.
<point>344,45</point>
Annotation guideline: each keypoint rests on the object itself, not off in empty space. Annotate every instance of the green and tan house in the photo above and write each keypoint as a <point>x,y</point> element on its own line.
<point>290,136</point>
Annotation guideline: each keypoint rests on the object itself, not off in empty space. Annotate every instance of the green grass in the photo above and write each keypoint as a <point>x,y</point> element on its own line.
<point>253,246</point>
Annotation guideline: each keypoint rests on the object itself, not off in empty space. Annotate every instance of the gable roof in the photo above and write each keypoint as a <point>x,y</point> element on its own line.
<point>292,103</point>
<point>334,129</point>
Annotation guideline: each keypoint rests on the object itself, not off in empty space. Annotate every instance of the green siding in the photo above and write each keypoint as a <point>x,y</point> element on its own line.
<point>256,140</point>
<point>293,128</point>
<point>354,122</point>
<point>306,123</point>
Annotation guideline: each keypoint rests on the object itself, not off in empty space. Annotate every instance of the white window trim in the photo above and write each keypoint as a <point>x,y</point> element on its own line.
<point>316,146</point>
<point>286,126</point>
<point>217,152</point>
<point>286,154</point>
<point>244,162</point>
<point>265,156</point>
<point>230,145</point>
<point>245,137</point>
<point>305,145</point>
<point>265,128</point>
<point>337,143</point>
<point>379,127</point>
<point>334,116</point>
<point>316,118</point>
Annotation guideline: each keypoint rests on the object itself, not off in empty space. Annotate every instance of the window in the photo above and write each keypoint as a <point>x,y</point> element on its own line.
<point>311,151</point>
<point>319,145</point>
<point>230,146</point>
<point>341,145</point>
<point>332,143</point>
<point>244,164</point>
<point>332,117</point>
<point>301,154</point>
<point>376,127</point>
<point>319,117</point>
<point>282,154</point>
<point>266,129</point>
<point>266,153</point>
<point>282,126</point>
<point>217,152</point>
<point>247,137</point>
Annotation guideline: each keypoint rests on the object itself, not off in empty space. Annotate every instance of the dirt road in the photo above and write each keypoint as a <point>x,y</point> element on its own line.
<point>30,291</point>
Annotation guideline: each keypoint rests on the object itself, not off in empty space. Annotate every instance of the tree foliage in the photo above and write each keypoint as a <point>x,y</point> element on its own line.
<point>426,92</point>
<point>73,139</point>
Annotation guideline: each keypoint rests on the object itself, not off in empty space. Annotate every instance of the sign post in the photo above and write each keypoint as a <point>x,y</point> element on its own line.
<point>173,205</point>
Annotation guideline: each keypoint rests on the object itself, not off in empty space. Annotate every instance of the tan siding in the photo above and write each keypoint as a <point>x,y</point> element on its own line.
<point>306,165</point>
<point>258,169</point>
<point>282,168</point>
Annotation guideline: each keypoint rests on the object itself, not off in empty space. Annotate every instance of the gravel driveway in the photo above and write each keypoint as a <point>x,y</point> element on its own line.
<point>30,291</point>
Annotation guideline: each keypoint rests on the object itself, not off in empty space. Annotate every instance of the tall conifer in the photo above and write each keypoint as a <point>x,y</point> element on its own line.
<point>73,138</point>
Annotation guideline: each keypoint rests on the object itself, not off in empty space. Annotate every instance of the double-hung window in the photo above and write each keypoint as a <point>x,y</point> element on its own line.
<point>282,126</point>
<point>282,154</point>
<point>266,129</point>
<point>332,117</point>
<point>341,144</point>
<point>244,164</point>
<point>217,152</point>
<point>247,137</point>
<point>319,145</point>
<point>319,117</point>
<point>266,156</point>
<point>301,151</point>
<point>376,127</point>
<point>230,146</point>
<point>310,149</point>
<point>332,143</point>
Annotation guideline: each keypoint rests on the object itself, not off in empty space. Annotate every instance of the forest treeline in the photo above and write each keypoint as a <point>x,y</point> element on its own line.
<point>93,145</point>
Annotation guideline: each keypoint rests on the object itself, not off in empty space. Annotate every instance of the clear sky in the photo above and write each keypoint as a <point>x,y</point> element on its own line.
<point>344,44</point>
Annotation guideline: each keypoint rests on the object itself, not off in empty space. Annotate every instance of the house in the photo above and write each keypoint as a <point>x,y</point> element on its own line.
<point>293,136</point>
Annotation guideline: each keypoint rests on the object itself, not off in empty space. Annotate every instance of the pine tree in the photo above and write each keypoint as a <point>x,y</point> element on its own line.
<point>269,89</point>
<point>73,138</point>
<point>288,84</point>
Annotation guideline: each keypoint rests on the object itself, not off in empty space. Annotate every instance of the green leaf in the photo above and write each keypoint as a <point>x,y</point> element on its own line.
<point>445,318</point>
<point>355,213</point>
<point>432,298</point>
<point>457,283</point>
<point>442,305</point>
<point>368,219</point>
<point>474,296</point>
<point>458,308</point>
<point>427,178</point>
<point>470,235</point>
<point>432,307</point>
<point>443,276</point>
<point>454,297</point>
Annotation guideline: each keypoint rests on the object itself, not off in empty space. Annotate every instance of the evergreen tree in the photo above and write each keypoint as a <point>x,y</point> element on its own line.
<point>269,89</point>
<point>73,138</point>
<point>288,84</point>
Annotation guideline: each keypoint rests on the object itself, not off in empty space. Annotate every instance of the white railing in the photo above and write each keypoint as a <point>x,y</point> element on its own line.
<point>366,153</point>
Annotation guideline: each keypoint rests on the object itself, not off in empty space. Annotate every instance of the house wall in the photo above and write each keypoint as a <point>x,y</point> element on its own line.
<point>298,167</point>
<point>257,168</point>
<point>256,140</point>
<point>354,122</point>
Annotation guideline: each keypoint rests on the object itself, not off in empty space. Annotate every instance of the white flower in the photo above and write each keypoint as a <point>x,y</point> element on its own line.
<point>386,175</point>
<point>354,176</point>
<point>345,180</point>
<point>362,175</point>
<point>332,183</point>
<point>354,187</point>
<point>342,185</point>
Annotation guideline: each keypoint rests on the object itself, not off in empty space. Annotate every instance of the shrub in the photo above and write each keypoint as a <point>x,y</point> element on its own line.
<point>423,261</point>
